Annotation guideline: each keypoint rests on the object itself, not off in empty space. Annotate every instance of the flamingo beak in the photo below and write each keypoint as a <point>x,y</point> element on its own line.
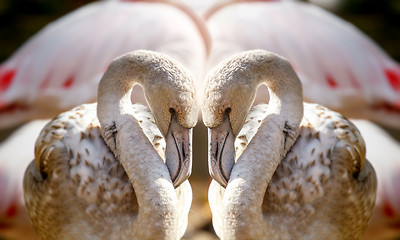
<point>178,152</point>
<point>221,151</point>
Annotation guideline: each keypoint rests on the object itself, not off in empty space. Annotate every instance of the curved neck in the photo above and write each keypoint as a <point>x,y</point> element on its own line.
<point>254,169</point>
<point>146,170</point>
<point>257,67</point>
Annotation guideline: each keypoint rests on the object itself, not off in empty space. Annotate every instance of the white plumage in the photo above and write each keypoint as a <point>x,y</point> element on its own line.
<point>292,179</point>
<point>91,180</point>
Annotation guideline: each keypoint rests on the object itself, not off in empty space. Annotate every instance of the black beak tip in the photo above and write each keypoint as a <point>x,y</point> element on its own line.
<point>216,172</point>
<point>183,174</point>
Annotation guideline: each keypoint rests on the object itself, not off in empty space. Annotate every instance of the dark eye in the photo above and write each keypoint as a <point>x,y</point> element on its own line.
<point>172,111</point>
<point>228,110</point>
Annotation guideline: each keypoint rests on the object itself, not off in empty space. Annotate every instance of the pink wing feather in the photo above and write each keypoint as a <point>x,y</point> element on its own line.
<point>16,152</point>
<point>60,66</point>
<point>340,67</point>
<point>384,154</point>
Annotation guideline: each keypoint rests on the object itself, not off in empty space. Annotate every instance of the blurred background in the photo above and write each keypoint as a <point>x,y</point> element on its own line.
<point>20,19</point>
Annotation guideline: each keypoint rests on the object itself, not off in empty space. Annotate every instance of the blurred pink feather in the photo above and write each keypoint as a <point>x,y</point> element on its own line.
<point>60,66</point>
<point>384,154</point>
<point>340,67</point>
<point>16,152</point>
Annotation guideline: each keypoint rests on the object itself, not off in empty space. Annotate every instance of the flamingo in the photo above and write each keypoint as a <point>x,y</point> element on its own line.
<point>97,173</point>
<point>301,176</point>
<point>24,108</point>
<point>35,82</point>
<point>339,66</point>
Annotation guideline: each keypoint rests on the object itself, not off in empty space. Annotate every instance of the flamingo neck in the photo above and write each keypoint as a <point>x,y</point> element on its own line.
<point>249,180</point>
<point>254,169</point>
<point>150,179</point>
<point>146,170</point>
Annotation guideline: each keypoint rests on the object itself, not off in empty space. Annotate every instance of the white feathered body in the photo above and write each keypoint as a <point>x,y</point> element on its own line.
<point>318,190</point>
<point>85,187</point>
